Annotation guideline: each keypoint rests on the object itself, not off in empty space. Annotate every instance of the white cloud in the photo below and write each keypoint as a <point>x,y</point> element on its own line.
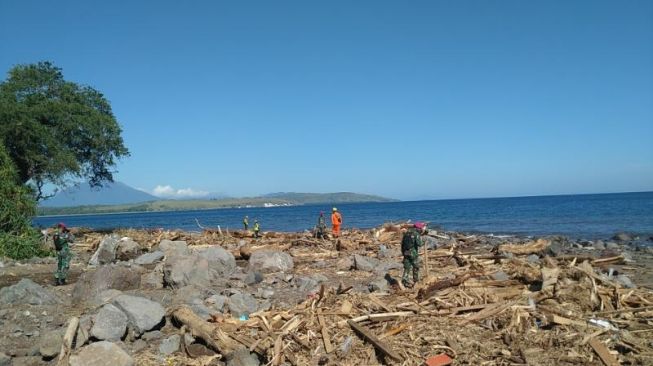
<point>167,191</point>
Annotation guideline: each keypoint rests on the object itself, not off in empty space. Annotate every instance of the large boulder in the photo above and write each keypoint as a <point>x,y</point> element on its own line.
<point>27,292</point>
<point>242,304</point>
<point>364,263</point>
<point>153,280</point>
<point>149,258</point>
<point>127,249</point>
<point>110,324</point>
<point>50,344</point>
<point>93,283</point>
<point>268,261</point>
<point>180,271</point>
<point>170,345</point>
<point>101,354</point>
<point>142,314</point>
<point>220,260</point>
<point>171,248</point>
<point>106,251</point>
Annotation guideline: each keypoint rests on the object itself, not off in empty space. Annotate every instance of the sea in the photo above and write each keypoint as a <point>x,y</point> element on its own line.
<point>589,216</point>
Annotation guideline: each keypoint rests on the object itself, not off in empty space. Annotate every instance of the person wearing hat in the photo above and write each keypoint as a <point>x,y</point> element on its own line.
<point>246,222</point>
<point>336,221</point>
<point>410,244</point>
<point>320,229</point>
<point>62,238</point>
<point>257,228</point>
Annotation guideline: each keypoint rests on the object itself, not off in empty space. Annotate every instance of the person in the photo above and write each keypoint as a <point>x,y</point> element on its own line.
<point>410,244</point>
<point>246,222</point>
<point>62,238</point>
<point>336,221</point>
<point>320,231</point>
<point>257,228</point>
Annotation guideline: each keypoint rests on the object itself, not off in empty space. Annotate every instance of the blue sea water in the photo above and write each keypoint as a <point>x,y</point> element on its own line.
<point>577,216</point>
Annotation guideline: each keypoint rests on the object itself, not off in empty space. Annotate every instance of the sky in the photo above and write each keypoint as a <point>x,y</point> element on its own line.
<point>409,100</point>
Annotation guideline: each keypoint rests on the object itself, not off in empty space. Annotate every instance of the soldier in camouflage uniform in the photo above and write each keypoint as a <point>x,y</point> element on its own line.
<point>61,240</point>
<point>410,244</point>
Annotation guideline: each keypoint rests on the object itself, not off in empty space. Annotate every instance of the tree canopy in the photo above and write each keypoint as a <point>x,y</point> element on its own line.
<point>55,130</point>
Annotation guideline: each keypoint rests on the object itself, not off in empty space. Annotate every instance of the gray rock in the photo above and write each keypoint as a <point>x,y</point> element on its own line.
<point>500,276</point>
<point>364,263</point>
<point>50,344</point>
<point>127,249</point>
<point>265,293</point>
<point>217,302</point>
<point>153,335</point>
<point>268,261</point>
<point>27,292</point>
<point>242,357</point>
<point>101,354</point>
<point>110,324</point>
<point>533,258</point>
<point>220,260</point>
<point>612,246</point>
<point>171,248</point>
<point>306,283</point>
<point>4,360</point>
<point>202,310</point>
<point>599,245</point>
<point>253,277</point>
<point>27,361</point>
<point>149,258</point>
<point>153,280</point>
<point>170,345</point>
<point>625,281</point>
<point>180,271</point>
<point>242,304</point>
<point>622,237</point>
<point>345,264</point>
<point>106,251</point>
<point>378,284</point>
<point>83,331</point>
<point>142,314</point>
<point>93,283</point>
<point>139,345</point>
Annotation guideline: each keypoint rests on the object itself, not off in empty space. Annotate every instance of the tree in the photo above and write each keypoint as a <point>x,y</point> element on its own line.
<point>55,130</point>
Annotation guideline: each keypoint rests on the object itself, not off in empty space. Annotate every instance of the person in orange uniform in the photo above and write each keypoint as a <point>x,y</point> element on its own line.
<point>336,221</point>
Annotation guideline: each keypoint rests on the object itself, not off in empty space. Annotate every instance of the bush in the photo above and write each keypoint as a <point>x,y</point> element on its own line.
<point>23,246</point>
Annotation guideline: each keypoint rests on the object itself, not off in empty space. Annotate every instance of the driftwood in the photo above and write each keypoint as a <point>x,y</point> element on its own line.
<point>432,289</point>
<point>208,332</point>
<point>67,343</point>
<point>524,249</point>
<point>603,353</point>
<point>378,344</point>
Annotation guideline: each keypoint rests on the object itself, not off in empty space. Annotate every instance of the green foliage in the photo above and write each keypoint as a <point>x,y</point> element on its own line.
<point>22,246</point>
<point>56,130</point>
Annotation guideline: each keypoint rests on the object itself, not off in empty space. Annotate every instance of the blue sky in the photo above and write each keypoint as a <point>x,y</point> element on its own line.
<point>420,99</point>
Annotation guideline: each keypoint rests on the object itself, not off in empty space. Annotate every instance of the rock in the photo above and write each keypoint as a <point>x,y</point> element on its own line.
<point>500,276</point>
<point>27,361</point>
<point>153,335</point>
<point>106,251</point>
<point>153,280</point>
<point>242,304</point>
<point>217,302</point>
<point>364,263</point>
<point>4,360</point>
<point>201,310</point>
<point>242,357</point>
<point>625,281</point>
<point>306,284</point>
<point>171,248</point>
<point>345,264</point>
<point>253,277</point>
<point>170,345</point>
<point>553,250</point>
<point>142,314</point>
<point>268,261</point>
<point>127,249</point>
<point>139,345</point>
<point>27,292</point>
<point>599,245</point>
<point>612,246</point>
<point>378,284</point>
<point>50,344</point>
<point>101,354</point>
<point>533,258</point>
<point>83,331</point>
<point>220,260</point>
<point>180,271</point>
<point>622,237</point>
<point>149,258</point>
<point>110,324</point>
<point>91,284</point>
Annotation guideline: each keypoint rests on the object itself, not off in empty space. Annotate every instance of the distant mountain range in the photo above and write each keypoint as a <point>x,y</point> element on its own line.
<point>115,193</point>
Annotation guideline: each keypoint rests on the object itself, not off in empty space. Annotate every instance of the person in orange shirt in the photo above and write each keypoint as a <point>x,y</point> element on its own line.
<point>336,221</point>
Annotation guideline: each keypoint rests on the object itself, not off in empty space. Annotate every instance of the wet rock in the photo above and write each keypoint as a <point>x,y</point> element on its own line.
<point>220,260</point>
<point>364,263</point>
<point>170,345</point>
<point>533,258</point>
<point>217,302</point>
<point>153,280</point>
<point>127,249</point>
<point>242,357</point>
<point>149,258</point>
<point>171,248</point>
<point>27,292</point>
<point>268,261</point>
<point>180,271</point>
<point>242,304</point>
<point>622,237</point>
<point>110,324</point>
<point>253,277</point>
<point>91,284</point>
<point>50,344</point>
<point>101,354</point>
<point>106,251</point>
<point>142,314</point>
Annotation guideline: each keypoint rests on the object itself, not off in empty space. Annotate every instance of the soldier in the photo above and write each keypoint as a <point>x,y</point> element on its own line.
<point>410,244</point>
<point>257,228</point>
<point>61,240</point>
<point>246,222</point>
<point>320,229</point>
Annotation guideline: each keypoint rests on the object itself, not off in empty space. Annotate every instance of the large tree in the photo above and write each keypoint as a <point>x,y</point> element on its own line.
<point>57,131</point>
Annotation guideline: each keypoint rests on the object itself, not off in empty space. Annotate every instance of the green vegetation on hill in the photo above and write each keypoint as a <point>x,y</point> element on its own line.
<point>277,199</point>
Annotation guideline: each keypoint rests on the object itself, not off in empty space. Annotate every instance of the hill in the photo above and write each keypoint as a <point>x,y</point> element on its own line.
<point>315,198</point>
<point>115,193</point>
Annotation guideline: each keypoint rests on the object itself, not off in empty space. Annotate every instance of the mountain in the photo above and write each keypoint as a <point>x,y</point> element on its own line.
<point>315,198</point>
<point>115,193</point>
